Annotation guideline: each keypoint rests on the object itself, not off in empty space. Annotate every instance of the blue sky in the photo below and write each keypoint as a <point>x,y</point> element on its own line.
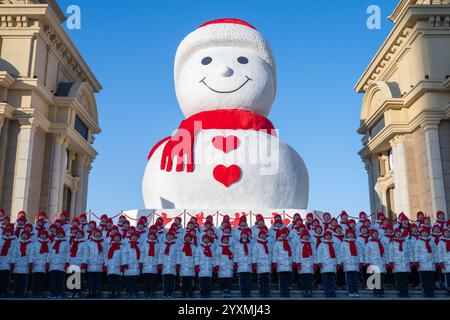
<point>321,49</point>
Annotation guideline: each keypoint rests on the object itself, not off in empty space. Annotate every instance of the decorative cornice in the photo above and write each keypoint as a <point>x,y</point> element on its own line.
<point>6,80</point>
<point>397,139</point>
<point>6,109</point>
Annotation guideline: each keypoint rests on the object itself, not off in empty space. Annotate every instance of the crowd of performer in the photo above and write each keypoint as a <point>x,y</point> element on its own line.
<point>321,253</point>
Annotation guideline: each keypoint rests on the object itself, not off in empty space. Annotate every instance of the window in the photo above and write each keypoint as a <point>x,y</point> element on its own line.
<point>81,128</point>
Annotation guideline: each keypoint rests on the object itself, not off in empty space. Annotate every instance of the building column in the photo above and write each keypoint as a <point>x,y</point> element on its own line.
<point>369,169</point>
<point>435,173</point>
<point>22,170</point>
<point>87,170</point>
<point>56,188</point>
<point>2,122</point>
<point>80,173</point>
<point>401,193</point>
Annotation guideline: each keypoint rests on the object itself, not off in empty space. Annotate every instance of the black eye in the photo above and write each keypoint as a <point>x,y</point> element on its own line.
<point>242,60</point>
<point>206,61</point>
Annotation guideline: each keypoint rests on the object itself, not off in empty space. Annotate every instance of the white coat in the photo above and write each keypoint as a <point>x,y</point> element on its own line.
<point>5,261</point>
<point>58,259</point>
<point>262,259</point>
<point>324,258</point>
<point>150,262</point>
<point>82,255</point>
<point>96,259</point>
<point>187,263</point>
<point>243,261</point>
<point>400,259</point>
<point>444,255</point>
<point>426,260</point>
<point>168,261</point>
<point>282,258</point>
<point>224,262</point>
<point>373,256</point>
<point>307,264</point>
<point>132,260</point>
<point>21,263</point>
<point>351,263</point>
<point>117,260</point>
<point>205,263</point>
<point>39,260</point>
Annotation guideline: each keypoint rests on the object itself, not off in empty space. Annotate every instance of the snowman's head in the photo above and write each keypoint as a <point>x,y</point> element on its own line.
<point>225,64</point>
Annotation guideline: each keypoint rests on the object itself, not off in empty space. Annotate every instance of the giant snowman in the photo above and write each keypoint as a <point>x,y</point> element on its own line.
<point>226,153</point>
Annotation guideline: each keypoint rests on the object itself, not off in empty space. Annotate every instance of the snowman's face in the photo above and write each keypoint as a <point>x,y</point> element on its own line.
<point>225,78</point>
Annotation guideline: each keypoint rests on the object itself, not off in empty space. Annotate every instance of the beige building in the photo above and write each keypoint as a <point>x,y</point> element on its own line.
<point>405,117</point>
<point>48,113</point>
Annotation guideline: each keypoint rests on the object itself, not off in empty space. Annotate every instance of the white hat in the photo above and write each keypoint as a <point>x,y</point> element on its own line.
<point>227,32</point>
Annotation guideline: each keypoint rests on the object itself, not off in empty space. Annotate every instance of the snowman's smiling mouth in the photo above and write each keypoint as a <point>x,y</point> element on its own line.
<point>218,91</point>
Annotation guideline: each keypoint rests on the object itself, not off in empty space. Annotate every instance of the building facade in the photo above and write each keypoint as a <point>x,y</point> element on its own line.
<point>48,112</point>
<point>405,117</point>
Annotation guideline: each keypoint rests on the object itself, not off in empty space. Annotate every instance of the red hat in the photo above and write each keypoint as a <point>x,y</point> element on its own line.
<point>83,215</point>
<point>338,226</point>
<point>27,233</point>
<point>297,216</point>
<point>22,214</point>
<point>436,226</point>
<point>282,231</point>
<point>65,214</point>
<point>351,221</point>
<point>187,235</point>
<point>361,214</point>
<point>171,233</point>
<point>310,215</point>
<point>300,225</point>
<point>262,231</point>
<point>424,229</point>
<point>349,231</point>
<point>42,214</point>
<point>326,214</point>
<point>61,230</point>
<point>372,231</point>
<point>380,215</point>
<point>246,231</point>
<point>259,217</point>
<point>92,222</point>
<point>80,231</point>
<point>398,230</point>
<point>243,219</point>
<point>109,220</point>
<point>22,219</point>
<point>151,233</point>
<point>97,230</point>
<point>10,228</point>
<point>135,234</point>
<point>362,226</point>
<point>205,236</point>
<point>144,218</point>
<point>304,233</point>
<point>344,213</point>
<point>328,233</point>
<point>103,216</point>
<point>42,232</point>
<point>226,218</point>
<point>389,227</point>
<point>209,218</point>
<point>277,218</point>
<point>413,225</point>
<point>318,226</point>
<point>224,237</point>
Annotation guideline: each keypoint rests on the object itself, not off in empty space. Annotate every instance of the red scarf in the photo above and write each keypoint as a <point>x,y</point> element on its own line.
<point>207,251</point>
<point>74,248</point>
<point>339,236</point>
<point>6,246</point>
<point>44,247</point>
<point>151,248</point>
<point>400,244</point>
<point>245,248</point>
<point>365,237</point>
<point>187,249</point>
<point>318,240</point>
<point>167,249</point>
<point>23,248</point>
<point>437,237</point>
<point>133,245</point>
<point>226,251</point>
<point>380,246</point>
<point>113,248</point>
<point>266,247</point>
<point>56,245</point>
<point>99,244</point>
<point>306,250</point>
<point>353,251</point>
<point>447,243</point>
<point>183,139</point>
<point>286,246</point>
<point>331,249</point>
<point>427,244</point>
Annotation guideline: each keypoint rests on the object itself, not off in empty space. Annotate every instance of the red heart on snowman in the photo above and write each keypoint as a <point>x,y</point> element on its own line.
<point>226,144</point>
<point>227,175</point>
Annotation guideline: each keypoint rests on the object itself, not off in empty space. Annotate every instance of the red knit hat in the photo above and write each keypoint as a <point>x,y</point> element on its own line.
<point>328,233</point>
<point>65,214</point>
<point>42,232</point>
<point>282,231</point>
<point>349,231</point>
<point>61,231</point>
<point>304,233</point>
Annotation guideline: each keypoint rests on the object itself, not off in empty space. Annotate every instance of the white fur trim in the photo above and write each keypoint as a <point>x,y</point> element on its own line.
<point>224,35</point>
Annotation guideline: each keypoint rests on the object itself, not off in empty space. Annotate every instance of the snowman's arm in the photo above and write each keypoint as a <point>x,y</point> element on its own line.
<point>156,147</point>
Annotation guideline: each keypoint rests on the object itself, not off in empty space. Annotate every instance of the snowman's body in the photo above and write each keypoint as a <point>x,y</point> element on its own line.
<point>278,181</point>
<point>226,69</point>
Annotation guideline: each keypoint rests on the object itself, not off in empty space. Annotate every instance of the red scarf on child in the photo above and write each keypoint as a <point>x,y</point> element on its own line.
<point>447,244</point>
<point>134,245</point>
<point>331,249</point>
<point>207,251</point>
<point>167,249</point>
<point>183,140</point>
<point>380,246</point>
<point>74,248</point>
<point>264,243</point>
<point>56,245</point>
<point>99,244</point>
<point>44,246</point>
<point>306,250</point>
<point>226,251</point>
<point>151,248</point>
<point>23,247</point>
<point>427,244</point>
<point>286,246</point>
<point>6,246</point>
<point>187,249</point>
<point>400,244</point>
<point>352,244</point>
<point>113,248</point>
